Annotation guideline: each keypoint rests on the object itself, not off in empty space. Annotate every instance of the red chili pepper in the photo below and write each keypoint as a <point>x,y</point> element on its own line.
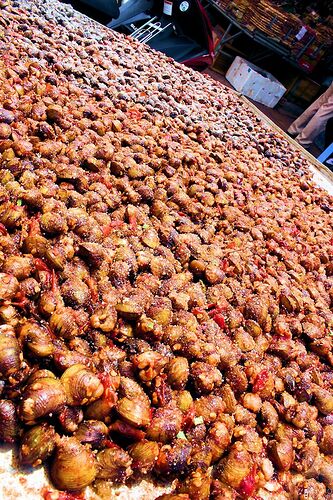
<point>162,390</point>
<point>105,379</point>
<point>216,310</point>
<point>107,230</point>
<point>93,289</point>
<point>133,223</point>
<point>284,244</point>
<point>224,264</point>
<point>188,419</point>
<point>219,319</point>
<point>197,311</point>
<point>106,183</point>
<point>63,415</point>
<point>110,395</point>
<point>151,413</point>
<point>108,381</point>
<point>41,266</point>
<point>34,227</point>
<point>54,282</point>
<point>134,113</point>
<point>181,214</point>
<point>109,444</point>
<point>248,484</point>
<point>3,230</point>
<point>85,325</point>
<point>49,88</point>
<point>294,231</point>
<point>212,305</point>
<point>20,300</point>
<point>260,380</point>
<point>115,224</point>
<point>61,495</point>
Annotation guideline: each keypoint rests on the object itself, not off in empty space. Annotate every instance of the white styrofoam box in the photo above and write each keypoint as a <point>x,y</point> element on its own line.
<point>254,82</point>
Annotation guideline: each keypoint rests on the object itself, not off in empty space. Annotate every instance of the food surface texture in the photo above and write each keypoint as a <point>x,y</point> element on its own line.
<point>166,275</point>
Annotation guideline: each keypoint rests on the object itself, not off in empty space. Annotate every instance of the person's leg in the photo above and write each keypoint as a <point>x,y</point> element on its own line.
<point>329,133</point>
<point>298,125</point>
<point>317,124</point>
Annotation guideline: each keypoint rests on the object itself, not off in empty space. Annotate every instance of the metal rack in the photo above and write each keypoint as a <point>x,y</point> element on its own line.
<point>235,29</point>
<point>149,30</point>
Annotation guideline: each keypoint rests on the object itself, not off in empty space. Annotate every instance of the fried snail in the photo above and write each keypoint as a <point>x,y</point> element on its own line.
<point>166,274</point>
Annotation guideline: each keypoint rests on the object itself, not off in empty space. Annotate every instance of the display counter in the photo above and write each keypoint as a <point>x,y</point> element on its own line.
<point>165,278</point>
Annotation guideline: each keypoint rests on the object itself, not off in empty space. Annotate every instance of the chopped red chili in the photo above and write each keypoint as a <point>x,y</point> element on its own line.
<point>93,289</point>
<point>61,495</point>
<point>188,419</point>
<point>34,227</point>
<point>133,222</point>
<point>219,319</point>
<point>20,300</point>
<point>197,311</point>
<point>41,266</point>
<point>224,264</point>
<point>248,484</point>
<point>260,380</point>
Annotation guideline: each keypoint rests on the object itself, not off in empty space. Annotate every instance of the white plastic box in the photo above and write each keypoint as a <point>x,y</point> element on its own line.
<point>254,82</point>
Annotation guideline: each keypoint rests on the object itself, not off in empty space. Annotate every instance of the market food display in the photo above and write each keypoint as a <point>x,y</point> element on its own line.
<point>297,26</point>
<point>166,273</point>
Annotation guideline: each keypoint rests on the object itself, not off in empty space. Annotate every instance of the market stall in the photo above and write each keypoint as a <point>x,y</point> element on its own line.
<point>165,278</point>
<point>275,30</point>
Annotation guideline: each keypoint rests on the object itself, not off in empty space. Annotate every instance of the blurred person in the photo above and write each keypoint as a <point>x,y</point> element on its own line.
<point>329,133</point>
<point>313,121</point>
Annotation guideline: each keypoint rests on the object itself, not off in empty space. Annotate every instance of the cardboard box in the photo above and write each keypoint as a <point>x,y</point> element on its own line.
<point>254,82</point>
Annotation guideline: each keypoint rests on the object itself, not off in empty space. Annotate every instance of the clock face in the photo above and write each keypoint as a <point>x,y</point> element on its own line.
<point>183,7</point>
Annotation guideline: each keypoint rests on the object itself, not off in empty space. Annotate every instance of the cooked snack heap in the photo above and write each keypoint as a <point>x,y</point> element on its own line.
<point>166,277</point>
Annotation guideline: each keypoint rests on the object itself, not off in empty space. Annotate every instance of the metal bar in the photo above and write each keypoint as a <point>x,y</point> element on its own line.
<point>225,34</point>
<point>143,27</point>
<point>267,42</point>
<point>271,22</point>
<point>155,32</point>
<point>232,37</point>
<point>286,35</point>
<point>303,49</point>
<point>326,153</point>
<point>148,35</point>
<point>149,30</point>
<point>221,42</point>
<point>261,55</point>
